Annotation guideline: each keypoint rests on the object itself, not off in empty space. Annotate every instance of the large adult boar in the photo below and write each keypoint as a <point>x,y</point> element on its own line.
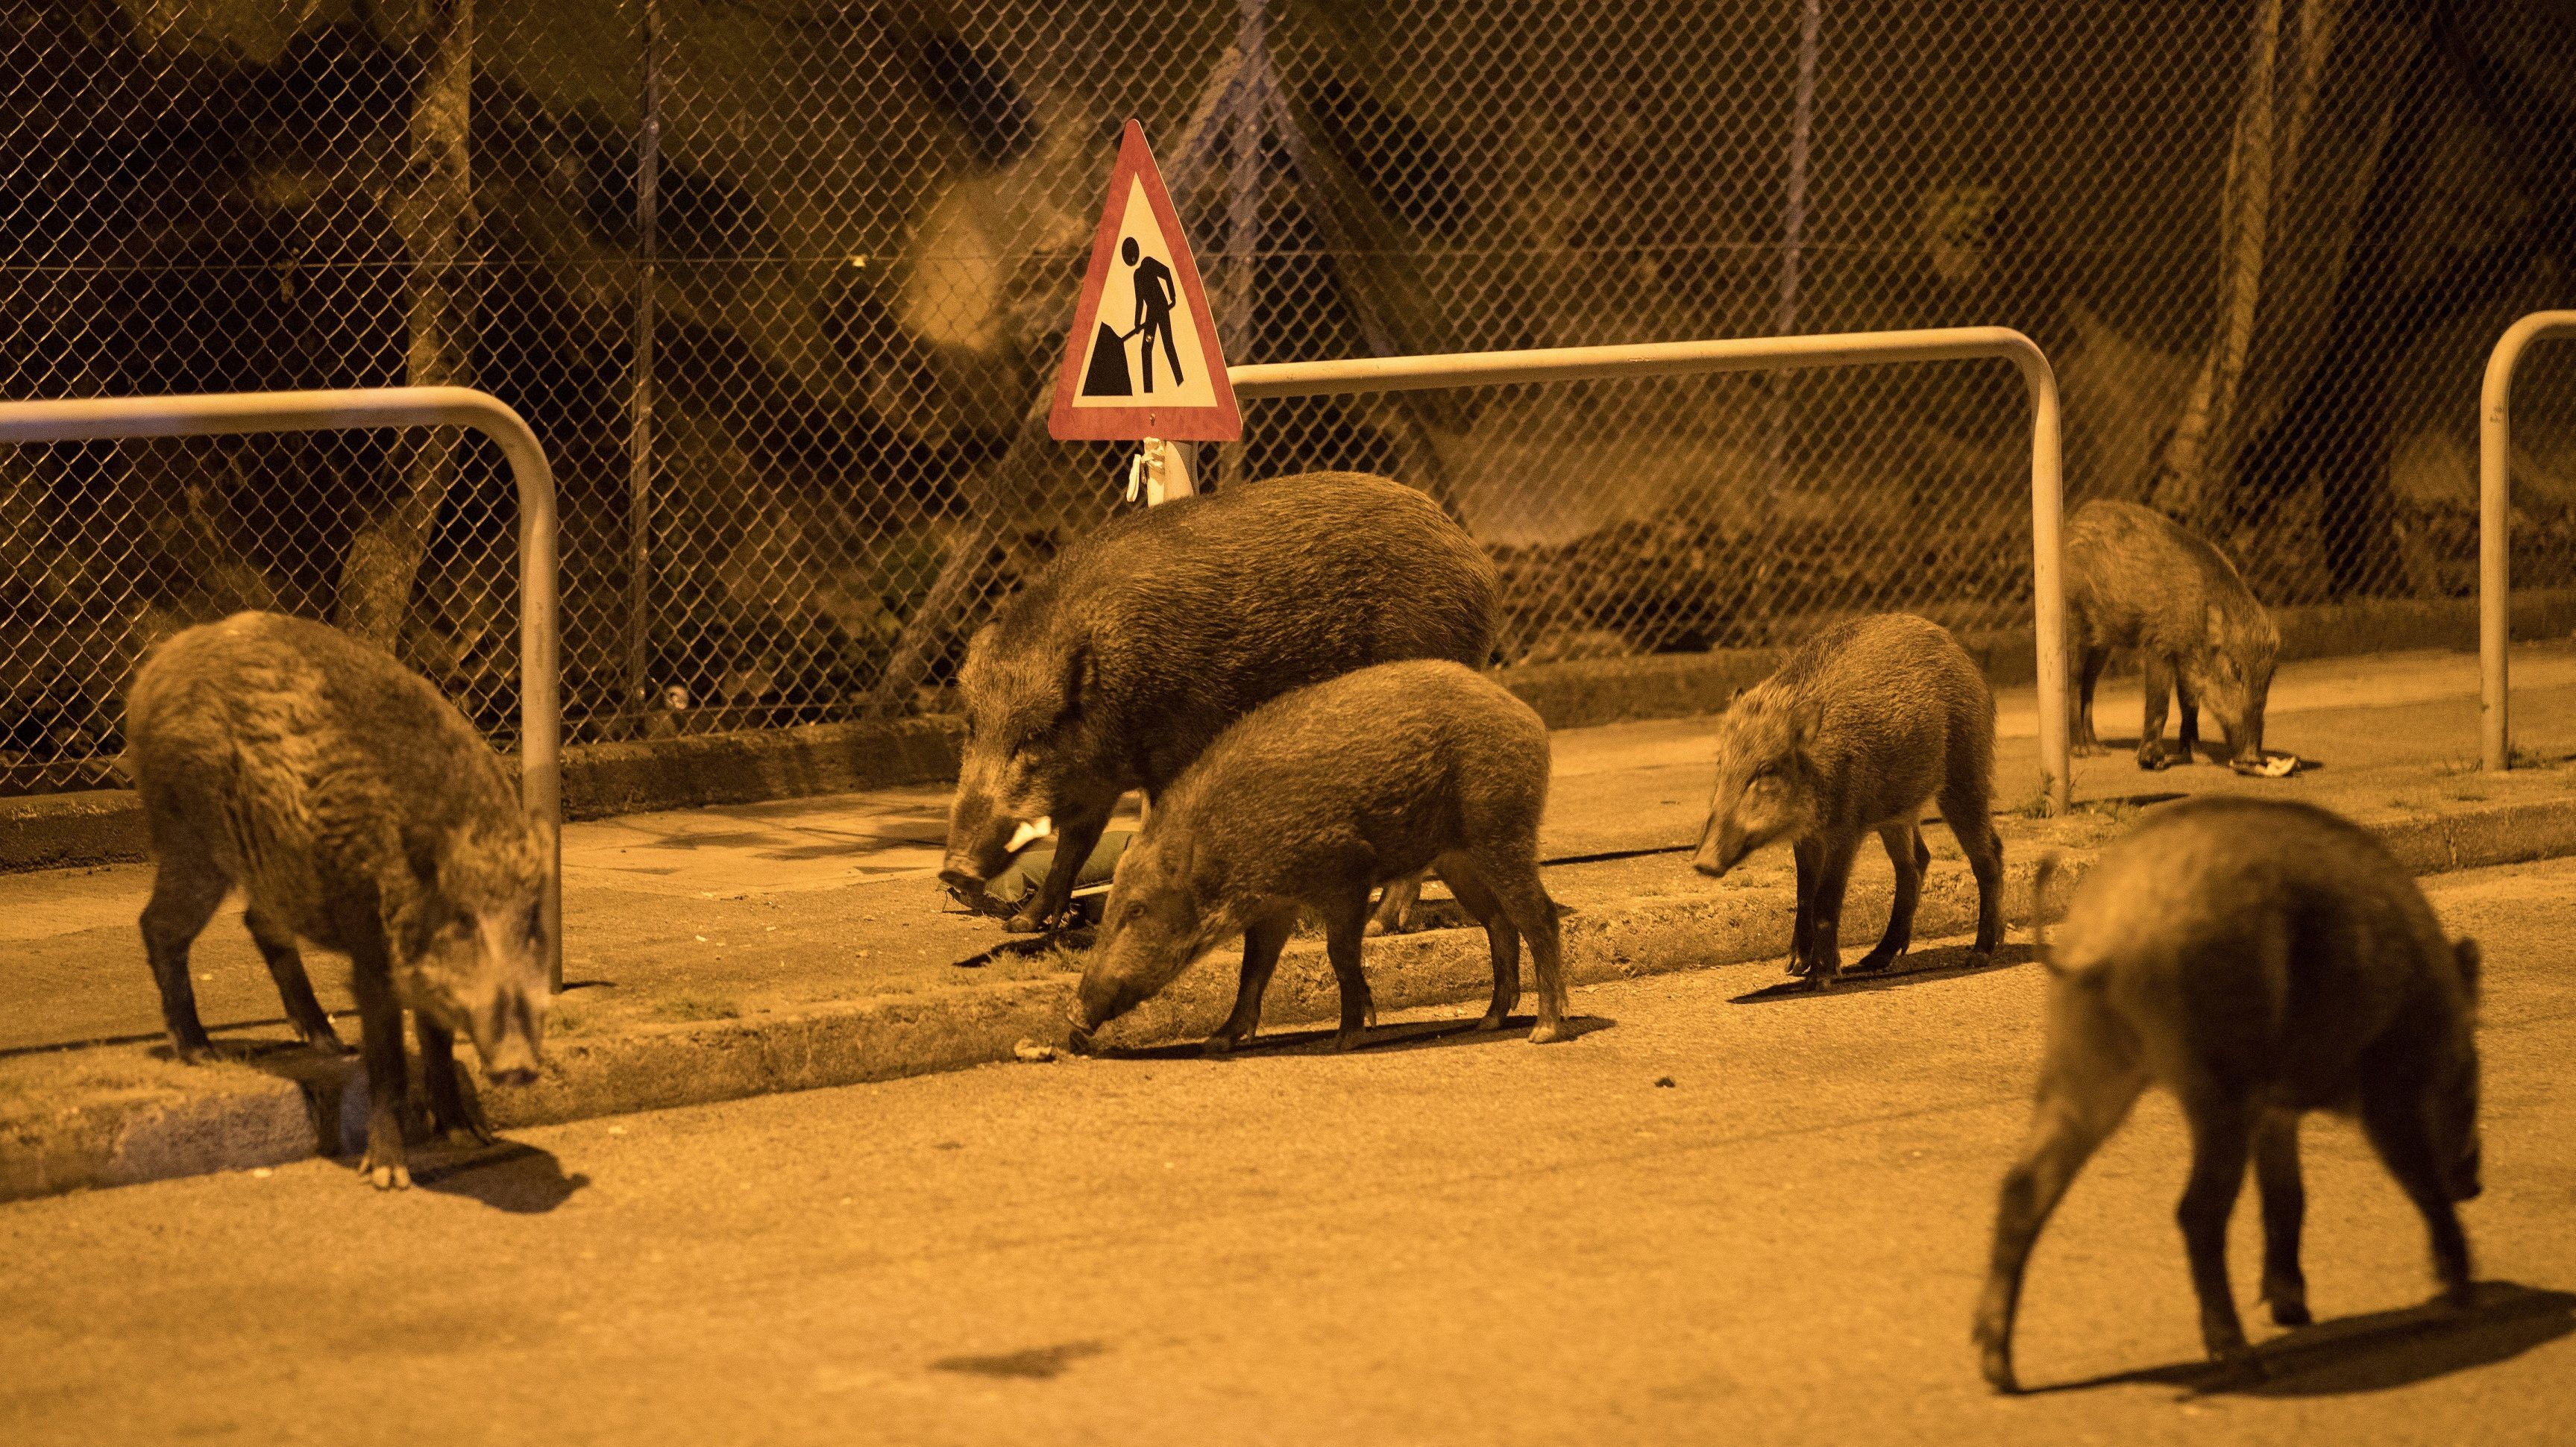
<point>2260,960</point>
<point>1862,726</point>
<point>1141,643</point>
<point>2136,579</point>
<point>1310,801</point>
<point>357,810</point>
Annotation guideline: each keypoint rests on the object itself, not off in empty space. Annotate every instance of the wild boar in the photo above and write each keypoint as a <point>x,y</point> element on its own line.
<point>359,811</point>
<point>2260,960</point>
<point>1860,727</point>
<point>1308,802</point>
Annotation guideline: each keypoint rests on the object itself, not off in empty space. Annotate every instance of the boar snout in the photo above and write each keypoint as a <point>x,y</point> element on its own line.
<point>510,1038</point>
<point>1721,848</point>
<point>978,840</point>
<point>1102,997</point>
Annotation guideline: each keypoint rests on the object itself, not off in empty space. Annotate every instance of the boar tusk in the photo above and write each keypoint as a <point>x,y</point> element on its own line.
<point>1030,829</point>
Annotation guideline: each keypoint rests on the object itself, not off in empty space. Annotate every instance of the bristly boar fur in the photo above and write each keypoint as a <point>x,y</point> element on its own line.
<point>2136,579</point>
<point>1308,802</point>
<point>1141,643</point>
<point>2258,959</point>
<point>1861,726</point>
<point>357,810</point>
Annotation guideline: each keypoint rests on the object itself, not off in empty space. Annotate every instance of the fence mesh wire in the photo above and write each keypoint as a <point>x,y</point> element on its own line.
<point>781,287</point>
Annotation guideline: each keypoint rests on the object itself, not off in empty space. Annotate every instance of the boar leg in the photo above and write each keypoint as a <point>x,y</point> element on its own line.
<point>2392,1117</point>
<point>1502,939</point>
<point>1824,957</point>
<point>2089,673</point>
<point>1394,902</point>
<point>286,966</point>
<point>2187,720</point>
<point>185,894</point>
<point>1809,851</point>
<point>449,1116</point>
<point>1963,804</point>
<point>1345,925</point>
<point>1077,833</point>
<point>1515,885</point>
<point>1911,856</point>
<point>2156,676</point>
<point>380,1041</point>
<point>2285,1209</point>
<point>2087,1084</point>
<point>1262,941</point>
<point>2222,1137</point>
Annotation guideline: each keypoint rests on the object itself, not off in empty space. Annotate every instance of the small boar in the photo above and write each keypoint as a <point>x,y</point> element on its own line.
<point>2135,579</point>
<point>1860,726</point>
<point>1310,801</point>
<point>2259,959</point>
<point>1139,644</point>
<point>358,810</point>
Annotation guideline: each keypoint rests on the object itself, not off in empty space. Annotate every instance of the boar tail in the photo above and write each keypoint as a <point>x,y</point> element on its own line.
<point>2039,909</point>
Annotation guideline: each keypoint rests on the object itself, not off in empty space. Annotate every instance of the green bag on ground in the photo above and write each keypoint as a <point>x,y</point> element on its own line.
<point>1005,892</point>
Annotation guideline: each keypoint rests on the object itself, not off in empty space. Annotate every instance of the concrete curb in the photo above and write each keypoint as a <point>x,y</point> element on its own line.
<point>105,826</point>
<point>127,1116</point>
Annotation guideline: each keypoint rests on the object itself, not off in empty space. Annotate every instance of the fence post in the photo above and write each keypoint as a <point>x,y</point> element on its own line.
<point>2495,527</point>
<point>639,420</point>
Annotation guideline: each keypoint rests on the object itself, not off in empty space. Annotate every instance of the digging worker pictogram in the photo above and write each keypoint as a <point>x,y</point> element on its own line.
<point>1155,296</point>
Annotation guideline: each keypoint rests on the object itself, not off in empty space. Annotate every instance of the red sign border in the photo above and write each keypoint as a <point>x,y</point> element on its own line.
<point>1221,421</point>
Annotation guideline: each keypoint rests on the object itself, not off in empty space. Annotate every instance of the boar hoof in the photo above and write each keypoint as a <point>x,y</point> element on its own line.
<point>384,1177</point>
<point>1547,1034</point>
<point>1996,1364</point>
<point>2290,1311</point>
<point>1024,924</point>
<point>1218,1046</point>
<point>2153,762</point>
<point>1873,962</point>
<point>1348,1040</point>
<point>2238,1367</point>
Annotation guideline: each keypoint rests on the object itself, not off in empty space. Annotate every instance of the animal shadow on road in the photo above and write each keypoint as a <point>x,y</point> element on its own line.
<point>1037,1364</point>
<point>519,1179</point>
<point>2376,1352</point>
<point>1948,963</point>
<point>1403,1035</point>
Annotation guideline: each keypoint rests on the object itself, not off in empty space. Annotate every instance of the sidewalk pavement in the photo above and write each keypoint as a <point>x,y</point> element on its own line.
<point>720,952</point>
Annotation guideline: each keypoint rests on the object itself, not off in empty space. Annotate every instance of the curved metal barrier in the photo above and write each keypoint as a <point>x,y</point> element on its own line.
<point>222,413</point>
<point>1655,359</point>
<point>2495,525</point>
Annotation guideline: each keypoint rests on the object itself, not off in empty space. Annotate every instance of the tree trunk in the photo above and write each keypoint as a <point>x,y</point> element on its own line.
<point>431,206</point>
<point>2183,484</point>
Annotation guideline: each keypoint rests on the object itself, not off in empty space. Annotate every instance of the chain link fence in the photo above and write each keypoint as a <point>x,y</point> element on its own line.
<point>782,284</point>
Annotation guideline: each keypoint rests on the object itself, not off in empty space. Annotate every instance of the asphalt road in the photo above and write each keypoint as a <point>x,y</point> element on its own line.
<point>1455,1239</point>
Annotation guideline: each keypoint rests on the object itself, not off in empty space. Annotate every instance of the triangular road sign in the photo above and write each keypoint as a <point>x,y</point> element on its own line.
<point>1143,359</point>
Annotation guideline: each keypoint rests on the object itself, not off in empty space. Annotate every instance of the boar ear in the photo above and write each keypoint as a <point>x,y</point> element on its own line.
<point>2464,952</point>
<point>1079,675</point>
